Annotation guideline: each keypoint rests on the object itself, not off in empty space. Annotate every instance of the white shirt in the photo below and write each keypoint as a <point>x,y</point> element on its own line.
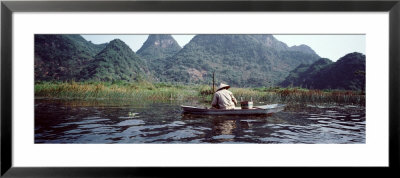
<point>224,99</point>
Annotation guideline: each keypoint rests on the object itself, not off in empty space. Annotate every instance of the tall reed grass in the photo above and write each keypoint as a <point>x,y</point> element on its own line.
<point>166,91</point>
<point>295,95</point>
<point>106,90</point>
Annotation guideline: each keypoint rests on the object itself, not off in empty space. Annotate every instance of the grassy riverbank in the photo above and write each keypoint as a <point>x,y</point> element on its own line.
<point>164,91</point>
<point>109,90</point>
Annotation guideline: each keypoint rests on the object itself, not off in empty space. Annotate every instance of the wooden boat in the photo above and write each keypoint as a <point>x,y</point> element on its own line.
<point>256,110</point>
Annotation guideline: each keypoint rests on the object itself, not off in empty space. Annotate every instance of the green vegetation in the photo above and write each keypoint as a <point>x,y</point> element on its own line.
<point>304,73</point>
<point>302,95</point>
<point>62,57</point>
<point>114,90</point>
<point>158,47</point>
<point>155,50</point>
<point>241,60</point>
<point>145,91</point>
<point>296,95</point>
<point>116,62</point>
<point>348,73</point>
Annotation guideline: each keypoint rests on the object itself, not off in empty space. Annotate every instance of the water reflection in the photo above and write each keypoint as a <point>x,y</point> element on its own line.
<point>223,130</point>
<point>69,121</point>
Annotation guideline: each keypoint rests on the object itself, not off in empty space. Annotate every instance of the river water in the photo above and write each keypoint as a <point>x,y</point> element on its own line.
<point>105,121</point>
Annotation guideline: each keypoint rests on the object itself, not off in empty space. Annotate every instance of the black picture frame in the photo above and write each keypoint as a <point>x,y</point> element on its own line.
<point>8,7</point>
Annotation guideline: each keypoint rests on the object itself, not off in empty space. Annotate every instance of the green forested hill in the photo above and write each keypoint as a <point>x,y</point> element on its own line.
<point>347,73</point>
<point>62,57</point>
<point>241,60</point>
<point>156,49</point>
<point>304,73</point>
<point>116,62</point>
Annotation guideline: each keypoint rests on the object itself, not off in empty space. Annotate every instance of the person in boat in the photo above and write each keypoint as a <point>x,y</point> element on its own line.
<point>223,98</point>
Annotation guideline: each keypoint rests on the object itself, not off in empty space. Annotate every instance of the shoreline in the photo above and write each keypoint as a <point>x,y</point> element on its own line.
<point>158,92</point>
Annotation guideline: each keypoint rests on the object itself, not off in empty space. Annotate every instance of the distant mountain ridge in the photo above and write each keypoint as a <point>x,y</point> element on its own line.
<point>348,73</point>
<point>242,60</point>
<point>116,62</point>
<point>156,49</point>
<point>62,57</point>
<point>239,60</point>
<point>304,72</point>
<point>303,48</point>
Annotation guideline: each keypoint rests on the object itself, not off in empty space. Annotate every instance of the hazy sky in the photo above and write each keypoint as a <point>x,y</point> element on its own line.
<point>327,46</point>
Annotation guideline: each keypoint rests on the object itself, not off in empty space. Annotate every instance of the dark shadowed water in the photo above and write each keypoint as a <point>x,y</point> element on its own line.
<point>72,121</point>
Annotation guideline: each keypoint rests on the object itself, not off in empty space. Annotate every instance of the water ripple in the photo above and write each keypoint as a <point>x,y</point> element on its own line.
<point>57,122</point>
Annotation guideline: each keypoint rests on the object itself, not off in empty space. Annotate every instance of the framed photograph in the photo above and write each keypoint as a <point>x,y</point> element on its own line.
<point>104,88</point>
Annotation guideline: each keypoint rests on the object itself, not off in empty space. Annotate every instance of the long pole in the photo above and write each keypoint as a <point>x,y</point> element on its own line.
<point>213,81</point>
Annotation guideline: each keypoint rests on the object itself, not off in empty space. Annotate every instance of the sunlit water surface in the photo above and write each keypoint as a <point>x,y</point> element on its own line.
<point>104,121</point>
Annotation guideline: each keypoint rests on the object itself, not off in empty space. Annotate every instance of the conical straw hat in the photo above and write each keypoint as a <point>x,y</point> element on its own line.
<point>221,86</point>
